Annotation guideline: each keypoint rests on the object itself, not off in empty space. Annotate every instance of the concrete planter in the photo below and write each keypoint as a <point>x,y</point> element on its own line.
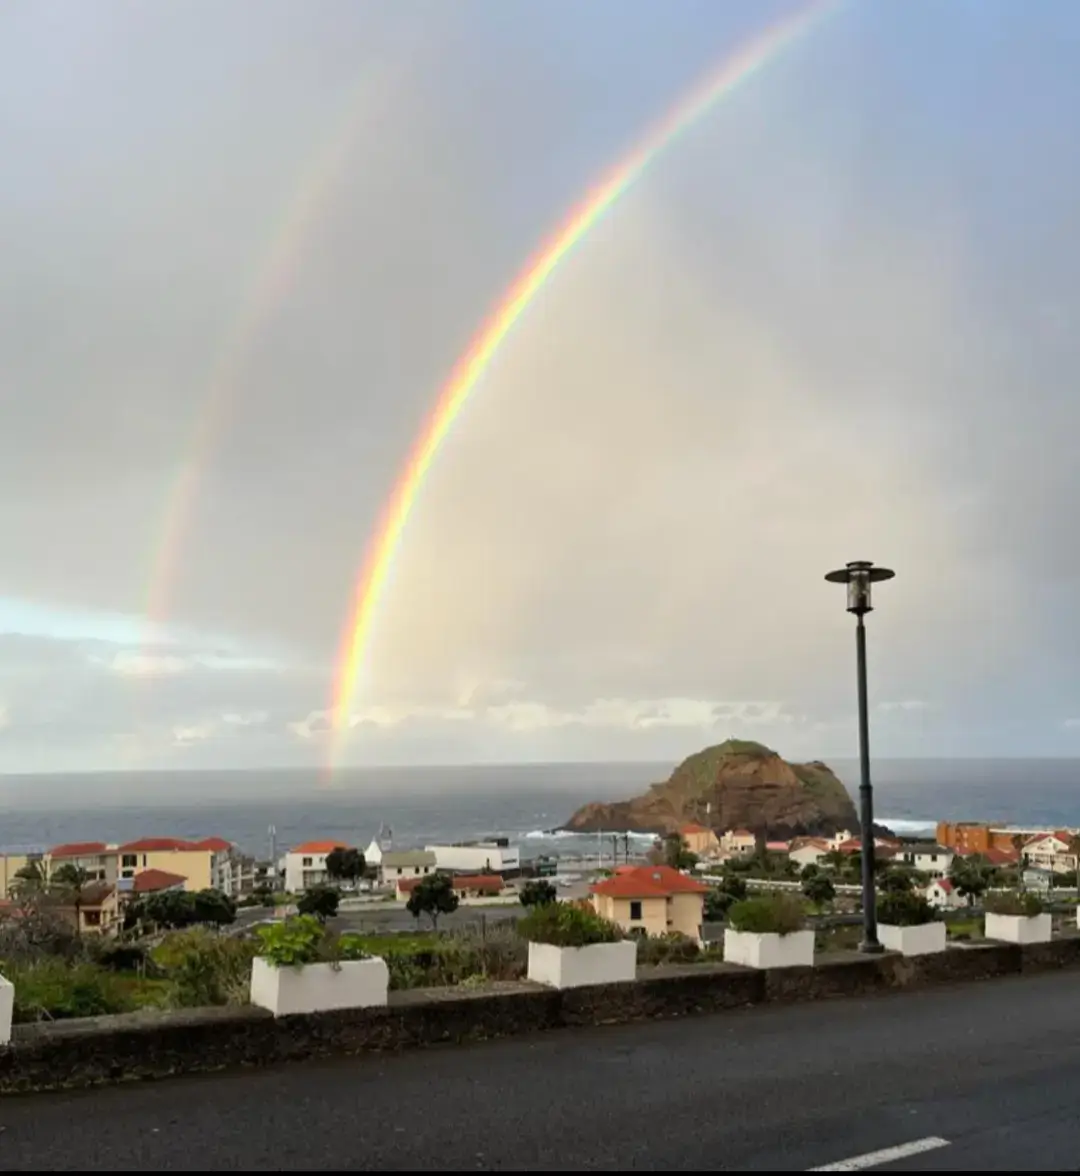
<point>769,950</point>
<point>7,1007</point>
<point>1019,928</point>
<point>576,967</point>
<point>318,988</point>
<point>922,939</point>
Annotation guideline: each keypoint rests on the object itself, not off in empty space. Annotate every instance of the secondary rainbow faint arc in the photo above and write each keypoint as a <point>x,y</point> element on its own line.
<point>374,575</point>
<point>291,232</point>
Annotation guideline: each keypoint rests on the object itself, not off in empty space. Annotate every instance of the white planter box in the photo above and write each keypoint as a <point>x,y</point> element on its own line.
<point>7,1007</point>
<point>923,939</point>
<point>769,950</point>
<point>1019,928</point>
<point>318,988</point>
<point>576,967</point>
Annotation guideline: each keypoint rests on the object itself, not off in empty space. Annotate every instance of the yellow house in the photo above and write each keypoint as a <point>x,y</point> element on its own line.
<point>10,865</point>
<point>192,860</point>
<point>653,899</point>
<point>700,840</point>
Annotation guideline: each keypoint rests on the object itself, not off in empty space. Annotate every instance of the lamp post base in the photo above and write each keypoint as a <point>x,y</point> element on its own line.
<point>866,947</point>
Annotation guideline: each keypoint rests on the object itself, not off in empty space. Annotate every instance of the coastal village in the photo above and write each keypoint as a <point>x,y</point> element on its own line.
<point>110,877</point>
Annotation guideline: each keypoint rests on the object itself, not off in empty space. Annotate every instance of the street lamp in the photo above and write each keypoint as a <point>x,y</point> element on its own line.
<point>859,575</point>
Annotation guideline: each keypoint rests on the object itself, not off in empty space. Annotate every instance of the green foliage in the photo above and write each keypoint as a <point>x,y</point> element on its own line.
<point>904,908</point>
<point>293,942</point>
<point>320,902</point>
<point>1014,902</point>
<point>170,910</point>
<point>52,989</point>
<point>350,947</point>
<point>819,889</point>
<point>215,907</point>
<point>204,967</point>
<point>670,948</point>
<point>433,896</point>
<point>537,892</point>
<point>345,864</point>
<point>895,882</point>
<point>68,878</point>
<point>720,899</point>
<point>493,953</point>
<point>780,914</point>
<point>971,876</point>
<point>565,924</point>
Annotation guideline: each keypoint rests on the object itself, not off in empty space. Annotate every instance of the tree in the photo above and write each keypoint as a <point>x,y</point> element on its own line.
<point>212,906</point>
<point>720,899</point>
<point>895,882</point>
<point>969,878</point>
<point>819,889</point>
<point>29,879</point>
<point>537,892</point>
<point>68,881</point>
<point>166,910</point>
<point>810,870</point>
<point>432,896</point>
<point>320,901</point>
<point>345,864</point>
<point>834,860</point>
<point>676,853</point>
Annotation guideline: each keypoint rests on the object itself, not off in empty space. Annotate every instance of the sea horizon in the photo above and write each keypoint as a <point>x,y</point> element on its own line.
<point>524,802</point>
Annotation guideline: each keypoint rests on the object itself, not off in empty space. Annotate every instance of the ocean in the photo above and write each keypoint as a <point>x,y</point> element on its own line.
<point>523,802</point>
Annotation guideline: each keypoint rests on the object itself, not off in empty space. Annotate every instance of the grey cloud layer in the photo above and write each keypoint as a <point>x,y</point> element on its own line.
<point>801,340</point>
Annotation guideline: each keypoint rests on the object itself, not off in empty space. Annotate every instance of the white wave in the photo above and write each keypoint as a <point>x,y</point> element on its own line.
<point>906,825</point>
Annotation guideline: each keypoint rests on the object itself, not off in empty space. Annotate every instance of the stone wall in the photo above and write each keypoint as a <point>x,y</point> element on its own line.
<point>68,1054</point>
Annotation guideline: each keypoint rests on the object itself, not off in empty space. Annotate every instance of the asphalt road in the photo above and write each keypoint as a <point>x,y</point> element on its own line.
<point>983,1077</point>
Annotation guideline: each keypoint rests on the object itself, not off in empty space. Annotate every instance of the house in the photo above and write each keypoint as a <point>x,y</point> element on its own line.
<point>96,860</point>
<point>700,840</point>
<point>738,843</point>
<point>205,864</point>
<point>927,857</point>
<point>942,893</point>
<point>494,855</point>
<point>406,863</point>
<point>840,837</point>
<point>465,886</point>
<point>1050,851</point>
<point>808,851</point>
<point>652,899</point>
<point>305,864</point>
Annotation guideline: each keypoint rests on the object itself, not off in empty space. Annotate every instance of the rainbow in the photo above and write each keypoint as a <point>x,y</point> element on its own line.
<point>281,260</point>
<point>375,572</point>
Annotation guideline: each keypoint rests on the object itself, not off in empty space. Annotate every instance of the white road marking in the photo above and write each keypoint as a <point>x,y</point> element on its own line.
<point>887,1155</point>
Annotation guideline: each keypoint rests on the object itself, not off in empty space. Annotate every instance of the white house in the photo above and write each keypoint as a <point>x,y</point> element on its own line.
<point>927,857</point>
<point>305,865</point>
<point>1050,851</point>
<point>942,893</point>
<point>808,851</point>
<point>738,843</point>
<point>407,863</point>
<point>495,856</point>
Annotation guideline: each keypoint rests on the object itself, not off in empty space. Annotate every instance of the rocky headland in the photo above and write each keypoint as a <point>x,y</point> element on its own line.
<point>734,785</point>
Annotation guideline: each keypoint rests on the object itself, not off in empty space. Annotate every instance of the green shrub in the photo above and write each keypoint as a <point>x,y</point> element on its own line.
<point>293,942</point>
<point>565,924</point>
<point>670,948</point>
<point>904,908</point>
<point>1013,902</point>
<point>350,946</point>
<point>53,990</point>
<point>778,914</point>
<point>204,968</point>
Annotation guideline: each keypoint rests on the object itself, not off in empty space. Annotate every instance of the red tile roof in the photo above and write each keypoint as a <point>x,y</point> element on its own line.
<point>159,845</point>
<point>1001,857</point>
<point>478,882</point>
<point>648,882</point>
<point>692,828</point>
<point>214,844</point>
<point>150,880</point>
<point>945,884</point>
<point>778,846</point>
<point>318,847</point>
<point>78,849</point>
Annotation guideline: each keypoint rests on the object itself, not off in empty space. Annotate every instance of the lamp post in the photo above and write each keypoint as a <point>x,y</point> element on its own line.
<point>859,575</point>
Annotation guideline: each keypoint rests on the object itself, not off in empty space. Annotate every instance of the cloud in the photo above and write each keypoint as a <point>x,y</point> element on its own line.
<point>822,327</point>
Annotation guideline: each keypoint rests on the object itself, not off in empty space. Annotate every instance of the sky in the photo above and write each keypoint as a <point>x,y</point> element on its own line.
<point>244,245</point>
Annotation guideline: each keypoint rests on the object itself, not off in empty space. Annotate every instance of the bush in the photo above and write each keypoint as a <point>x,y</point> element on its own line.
<point>292,943</point>
<point>1013,902</point>
<point>120,957</point>
<point>537,892</point>
<point>37,933</point>
<point>53,990</point>
<point>321,902</point>
<point>670,948</point>
<point>904,908</point>
<point>204,968</point>
<point>493,953</point>
<point>778,914</point>
<point>565,924</point>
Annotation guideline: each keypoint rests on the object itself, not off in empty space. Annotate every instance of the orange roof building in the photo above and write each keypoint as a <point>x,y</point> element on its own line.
<point>654,900</point>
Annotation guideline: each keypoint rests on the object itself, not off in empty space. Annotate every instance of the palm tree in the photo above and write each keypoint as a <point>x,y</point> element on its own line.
<point>28,879</point>
<point>68,882</point>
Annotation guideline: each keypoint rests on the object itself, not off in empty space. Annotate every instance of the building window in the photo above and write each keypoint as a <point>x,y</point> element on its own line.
<point>305,862</point>
<point>635,911</point>
<point>129,861</point>
<point>416,870</point>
